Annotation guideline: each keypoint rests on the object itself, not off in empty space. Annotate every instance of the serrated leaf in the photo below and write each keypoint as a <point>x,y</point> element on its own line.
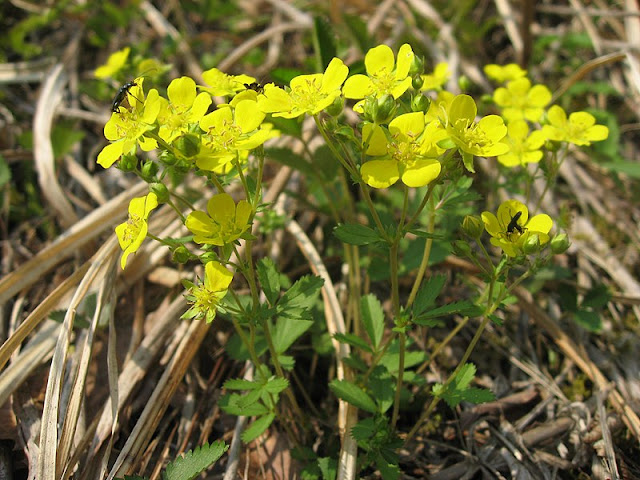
<point>465,376</point>
<point>478,395</point>
<point>353,394</point>
<point>276,385</point>
<point>589,320</point>
<point>364,429</point>
<point>356,234</point>
<point>428,293</point>
<point>324,41</point>
<point>353,340</point>
<point>302,293</point>
<point>373,318</point>
<point>287,331</point>
<point>329,468</point>
<point>269,279</point>
<point>193,463</point>
<point>240,384</point>
<point>382,387</point>
<point>464,308</point>
<point>257,428</point>
<point>230,404</point>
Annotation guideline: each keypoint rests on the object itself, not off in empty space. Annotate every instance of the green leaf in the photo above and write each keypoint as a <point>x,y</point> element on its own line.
<point>240,384</point>
<point>193,463</point>
<point>629,168</point>
<point>382,387</point>
<point>324,42</point>
<point>353,340</point>
<point>353,394</point>
<point>302,294</point>
<point>328,467</point>
<point>465,376</point>
<point>276,385</point>
<point>428,293</point>
<point>388,471</point>
<point>463,308</point>
<point>287,157</point>
<point>269,279</point>
<point>257,428</point>
<point>232,404</point>
<point>478,395</point>
<point>467,159</point>
<point>588,319</point>
<point>356,234</point>
<point>373,318</point>
<point>597,297</point>
<point>287,331</point>
<point>5,172</point>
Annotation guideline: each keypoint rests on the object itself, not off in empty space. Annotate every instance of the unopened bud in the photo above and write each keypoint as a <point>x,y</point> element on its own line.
<point>188,144</point>
<point>420,103</point>
<point>181,255</point>
<point>149,170</point>
<point>128,163</point>
<point>472,226</point>
<point>461,248</point>
<point>161,191</point>
<point>379,110</point>
<point>464,83</point>
<point>417,81</point>
<point>531,244</point>
<point>417,66</point>
<point>336,107</point>
<point>560,243</point>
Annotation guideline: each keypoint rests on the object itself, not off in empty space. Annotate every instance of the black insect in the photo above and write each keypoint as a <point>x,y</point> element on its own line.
<point>121,95</point>
<point>256,87</point>
<point>513,224</point>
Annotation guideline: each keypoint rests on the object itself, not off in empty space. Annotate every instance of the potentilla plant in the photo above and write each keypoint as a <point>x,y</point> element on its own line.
<point>416,143</point>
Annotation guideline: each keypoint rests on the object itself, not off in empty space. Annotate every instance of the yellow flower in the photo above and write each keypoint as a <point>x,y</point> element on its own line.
<point>438,78</point>
<point>205,298</point>
<point>403,154</point>
<point>504,73</point>
<point>126,127</point>
<point>519,100</point>
<point>523,148</point>
<point>512,227</point>
<point>224,223</point>
<point>384,76</point>
<point>223,84</point>
<point>483,138</point>
<point>183,109</point>
<point>308,94</point>
<point>579,129</point>
<point>114,64</point>
<point>132,233</point>
<point>231,133</point>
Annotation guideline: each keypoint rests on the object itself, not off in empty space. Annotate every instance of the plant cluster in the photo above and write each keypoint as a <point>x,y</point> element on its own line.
<point>412,156</point>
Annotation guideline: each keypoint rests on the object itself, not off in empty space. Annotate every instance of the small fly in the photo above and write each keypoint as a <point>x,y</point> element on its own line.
<point>121,95</point>
<point>255,86</point>
<point>514,226</point>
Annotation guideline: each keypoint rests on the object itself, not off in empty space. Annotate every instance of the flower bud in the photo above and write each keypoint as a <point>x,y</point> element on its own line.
<point>336,107</point>
<point>128,163</point>
<point>417,66</point>
<point>461,248</point>
<point>379,110</point>
<point>417,81</point>
<point>161,191</point>
<point>464,83</point>
<point>181,254</point>
<point>472,226</point>
<point>149,170</point>
<point>420,103</point>
<point>188,144</point>
<point>531,244</point>
<point>560,243</point>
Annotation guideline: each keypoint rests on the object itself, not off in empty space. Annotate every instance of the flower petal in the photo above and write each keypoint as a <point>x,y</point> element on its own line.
<point>380,173</point>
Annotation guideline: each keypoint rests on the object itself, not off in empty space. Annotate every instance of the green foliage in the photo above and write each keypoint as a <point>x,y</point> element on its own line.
<point>194,462</point>
<point>191,464</point>
<point>372,318</point>
<point>357,234</point>
<point>350,392</point>
<point>457,390</point>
